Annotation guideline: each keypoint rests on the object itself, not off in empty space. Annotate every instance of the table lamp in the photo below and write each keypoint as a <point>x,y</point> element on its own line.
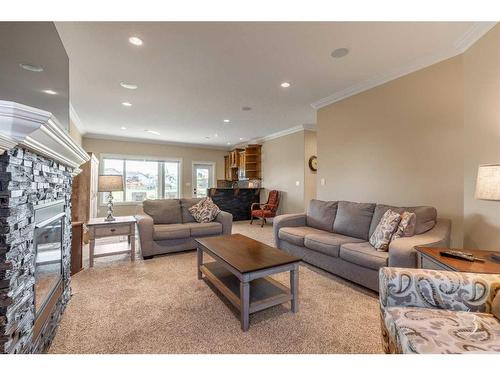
<point>488,187</point>
<point>108,184</point>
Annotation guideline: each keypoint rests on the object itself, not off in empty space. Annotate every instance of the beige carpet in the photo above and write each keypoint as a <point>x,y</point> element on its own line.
<point>158,306</point>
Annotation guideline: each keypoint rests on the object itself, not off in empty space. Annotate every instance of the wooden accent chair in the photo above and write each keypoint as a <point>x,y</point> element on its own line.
<point>266,210</point>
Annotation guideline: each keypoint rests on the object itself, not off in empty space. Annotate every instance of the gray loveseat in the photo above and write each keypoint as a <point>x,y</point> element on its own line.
<point>334,236</point>
<point>166,226</point>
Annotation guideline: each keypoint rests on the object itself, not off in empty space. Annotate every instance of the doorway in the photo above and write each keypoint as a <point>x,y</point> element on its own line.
<point>203,178</point>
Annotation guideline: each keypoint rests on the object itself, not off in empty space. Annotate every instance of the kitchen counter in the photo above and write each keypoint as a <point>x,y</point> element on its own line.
<point>237,201</point>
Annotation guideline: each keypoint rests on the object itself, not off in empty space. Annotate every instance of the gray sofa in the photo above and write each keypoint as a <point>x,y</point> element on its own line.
<point>166,226</point>
<point>334,236</point>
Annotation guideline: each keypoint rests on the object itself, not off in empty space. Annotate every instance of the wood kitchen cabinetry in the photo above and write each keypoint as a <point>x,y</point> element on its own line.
<point>234,158</point>
<point>243,163</point>
<point>253,170</point>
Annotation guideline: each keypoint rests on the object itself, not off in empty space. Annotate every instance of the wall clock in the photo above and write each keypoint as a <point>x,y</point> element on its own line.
<point>313,163</point>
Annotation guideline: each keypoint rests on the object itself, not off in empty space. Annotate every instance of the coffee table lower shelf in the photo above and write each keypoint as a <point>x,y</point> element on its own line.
<point>264,292</point>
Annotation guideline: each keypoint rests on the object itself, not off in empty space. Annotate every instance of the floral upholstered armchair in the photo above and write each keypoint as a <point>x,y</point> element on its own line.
<point>428,311</point>
<point>266,210</point>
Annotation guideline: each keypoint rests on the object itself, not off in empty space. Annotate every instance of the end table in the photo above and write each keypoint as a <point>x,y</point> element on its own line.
<point>430,258</point>
<point>122,226</point>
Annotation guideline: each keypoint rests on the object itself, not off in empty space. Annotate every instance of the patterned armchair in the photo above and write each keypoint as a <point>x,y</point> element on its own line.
<point>428,311</point>
<point>266,210</point>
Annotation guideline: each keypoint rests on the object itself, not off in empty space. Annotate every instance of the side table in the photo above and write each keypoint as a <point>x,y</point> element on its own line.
<point>122,226</point>
<point>430,258</point>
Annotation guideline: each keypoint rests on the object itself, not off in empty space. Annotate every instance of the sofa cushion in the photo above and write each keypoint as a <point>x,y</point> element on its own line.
<point>353,219</point>
<point>327,243</point>
<point>296,235</point>
<point>363,254</point>
<point>163,211</point>
<point>205,229</point>
<point>170,231</point>
<point>321,214</point>
<point>426,216</point>
<point>187,203</point>
<point>434,331</point>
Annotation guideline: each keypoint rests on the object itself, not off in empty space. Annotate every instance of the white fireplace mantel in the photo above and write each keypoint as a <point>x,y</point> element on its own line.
<point>38,131</point>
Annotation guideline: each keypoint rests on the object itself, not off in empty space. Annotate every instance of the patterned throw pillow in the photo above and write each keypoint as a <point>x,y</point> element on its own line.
<point>204,211</point>
<point>406,227</point>
<point>381,238</point>
<point>495,306</point>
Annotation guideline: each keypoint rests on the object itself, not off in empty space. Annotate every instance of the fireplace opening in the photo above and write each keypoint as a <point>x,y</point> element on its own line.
<point>48,242</point>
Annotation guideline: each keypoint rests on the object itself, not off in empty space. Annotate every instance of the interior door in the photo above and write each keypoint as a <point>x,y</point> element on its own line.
<point>203,179</point>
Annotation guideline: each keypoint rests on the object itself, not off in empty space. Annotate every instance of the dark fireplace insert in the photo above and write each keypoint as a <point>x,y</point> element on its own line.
<point>48,242</point>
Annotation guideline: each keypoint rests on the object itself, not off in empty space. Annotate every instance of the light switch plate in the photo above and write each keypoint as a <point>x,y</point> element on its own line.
<point>323,182</point>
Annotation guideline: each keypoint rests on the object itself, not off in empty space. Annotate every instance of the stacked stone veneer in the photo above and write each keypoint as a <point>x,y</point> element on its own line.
<point>27,180</point>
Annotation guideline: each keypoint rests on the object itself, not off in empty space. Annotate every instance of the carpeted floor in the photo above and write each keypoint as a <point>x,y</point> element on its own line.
<point>158,306</point>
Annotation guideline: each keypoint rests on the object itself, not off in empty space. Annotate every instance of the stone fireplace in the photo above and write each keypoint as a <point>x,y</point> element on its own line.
<point>37,163</point>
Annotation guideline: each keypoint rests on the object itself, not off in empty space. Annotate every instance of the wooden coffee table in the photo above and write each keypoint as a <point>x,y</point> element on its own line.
<point>240,272</point>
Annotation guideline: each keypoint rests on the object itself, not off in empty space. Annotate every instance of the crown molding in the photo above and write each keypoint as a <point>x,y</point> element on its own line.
<point>471,36</point>
<point>108,137</point>
<point>6,143</point>
<point>75,119</point>
<point>288,131</point>
<point>39,131</point>
<point>282,133</point>
<point>476,31</point>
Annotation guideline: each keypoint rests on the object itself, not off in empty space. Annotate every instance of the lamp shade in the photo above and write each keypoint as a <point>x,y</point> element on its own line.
<point>109,183</point>
<point>488,182</point>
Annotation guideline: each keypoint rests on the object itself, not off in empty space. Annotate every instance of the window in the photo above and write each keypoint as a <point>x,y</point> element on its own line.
<point>144,179</point>
<point>113,166</point>
<point>171,173</point>
<point>141,181</point>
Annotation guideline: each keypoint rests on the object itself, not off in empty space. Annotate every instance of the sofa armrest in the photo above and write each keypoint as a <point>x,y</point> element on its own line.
<point>402,251</point>
<point>226,219</point>
<point>145,225</point>
<point>457,291</point>
<point>288,220</point>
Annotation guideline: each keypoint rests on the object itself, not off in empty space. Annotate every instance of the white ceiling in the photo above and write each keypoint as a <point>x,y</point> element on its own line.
<point>191,76</point>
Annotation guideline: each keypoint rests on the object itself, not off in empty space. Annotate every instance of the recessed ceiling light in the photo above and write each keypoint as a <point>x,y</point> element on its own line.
<point>216,135</point>
<point>135,41</point>
<point>285,84</point>
<point>152,132</point>
<point>123,128</point>
<point>226,120</point>
<point>241,139</point>
<point>50,92</point>
<point>228,143</point>
<point>129,86</point>
<point>127,104</point>
<point>339,53</point>
<point>31,68</point>
<point>246,108</point>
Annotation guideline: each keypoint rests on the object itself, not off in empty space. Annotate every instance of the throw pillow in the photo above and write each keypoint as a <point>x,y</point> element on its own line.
<point>495,306</point>
<point>204,211</point>
<point>382,235</point>
<point>406,227</point>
